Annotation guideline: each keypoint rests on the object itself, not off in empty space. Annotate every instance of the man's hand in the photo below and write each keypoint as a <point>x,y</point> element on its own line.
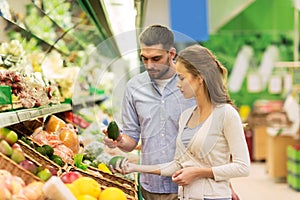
<point>111,143</point>
<point>123,142</point>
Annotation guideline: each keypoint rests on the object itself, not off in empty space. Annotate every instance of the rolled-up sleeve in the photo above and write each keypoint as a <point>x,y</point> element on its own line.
<point>168,169</point>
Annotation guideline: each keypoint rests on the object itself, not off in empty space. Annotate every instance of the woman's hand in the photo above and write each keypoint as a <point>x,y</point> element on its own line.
<point>123,166</point>
<point>185,176</point>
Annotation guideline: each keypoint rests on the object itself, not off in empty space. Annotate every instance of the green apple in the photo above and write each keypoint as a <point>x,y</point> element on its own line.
<point>17,155</point>
<point>11,137</point>
<point>44,174</point>
<point>3,132</point>
<point>5,148</point>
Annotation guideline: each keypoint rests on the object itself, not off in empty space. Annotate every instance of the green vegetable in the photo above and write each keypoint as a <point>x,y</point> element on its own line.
<point>113,130</point>
<point>27,141</point>
<point>113,161</point>
<point>57,159</point>
<point>78,162</point>
<point>92,150</point>
<point>41,150</point>
<point>48,150</point>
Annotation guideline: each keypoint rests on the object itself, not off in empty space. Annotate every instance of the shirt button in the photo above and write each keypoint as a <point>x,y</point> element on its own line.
<point>163,135</point>
<point>162,101</point>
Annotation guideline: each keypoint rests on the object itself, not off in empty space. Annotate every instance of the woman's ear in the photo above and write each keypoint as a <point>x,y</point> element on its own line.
<point>200,79</point>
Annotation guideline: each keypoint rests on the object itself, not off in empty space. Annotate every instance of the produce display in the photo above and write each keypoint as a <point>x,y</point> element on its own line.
<point>11,53</point>
<point>53,159</point>
<point>29,89</point>
<point>33,153</point>
<point>60,136</point>
<point>14,187</point>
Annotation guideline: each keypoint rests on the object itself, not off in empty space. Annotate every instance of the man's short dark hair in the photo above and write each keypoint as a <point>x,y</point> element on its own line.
<point>157,34</point>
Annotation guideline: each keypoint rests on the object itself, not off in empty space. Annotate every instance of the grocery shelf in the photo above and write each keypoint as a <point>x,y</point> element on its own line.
<point>80,102</point>
<point>8,118</point>
<point>14,117</point>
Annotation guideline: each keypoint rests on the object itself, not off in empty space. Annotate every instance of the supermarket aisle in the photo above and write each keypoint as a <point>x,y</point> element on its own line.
<point>260,186</point>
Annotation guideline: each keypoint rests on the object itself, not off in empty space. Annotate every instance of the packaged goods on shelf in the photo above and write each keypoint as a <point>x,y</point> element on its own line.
<point>293,166</point>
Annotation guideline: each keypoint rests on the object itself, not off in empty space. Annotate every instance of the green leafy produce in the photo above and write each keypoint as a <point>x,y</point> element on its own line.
<point>92,150</point>
<point>113,130</point>
<point>78,161</point>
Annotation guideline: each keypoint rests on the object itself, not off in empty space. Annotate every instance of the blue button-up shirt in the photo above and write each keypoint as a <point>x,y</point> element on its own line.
<point>152,117</point>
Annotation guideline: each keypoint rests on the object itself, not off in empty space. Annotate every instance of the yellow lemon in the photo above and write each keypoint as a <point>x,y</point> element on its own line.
<point>73,189</point>
<point>104,168</point>
<point>86,197</point>
<point>88,186</point>
<point>112,193</point>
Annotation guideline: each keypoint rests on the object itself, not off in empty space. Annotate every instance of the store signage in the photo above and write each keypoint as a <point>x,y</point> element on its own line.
<point>190,19</point>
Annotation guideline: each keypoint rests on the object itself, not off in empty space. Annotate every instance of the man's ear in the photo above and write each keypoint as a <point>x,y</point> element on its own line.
<point>172,52</point>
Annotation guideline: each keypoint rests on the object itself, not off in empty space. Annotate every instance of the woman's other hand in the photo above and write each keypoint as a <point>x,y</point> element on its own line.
<point>185,176</point>
<point>122,166</point>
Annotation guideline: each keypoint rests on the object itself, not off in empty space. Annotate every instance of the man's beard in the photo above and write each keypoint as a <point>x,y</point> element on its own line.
<point>161,73</point>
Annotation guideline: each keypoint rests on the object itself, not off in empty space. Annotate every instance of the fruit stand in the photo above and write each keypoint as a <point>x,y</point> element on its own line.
<point>43,134</point>
<point>23,157</point>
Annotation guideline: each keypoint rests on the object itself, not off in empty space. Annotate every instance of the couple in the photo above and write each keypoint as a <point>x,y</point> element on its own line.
<point>207,148</point>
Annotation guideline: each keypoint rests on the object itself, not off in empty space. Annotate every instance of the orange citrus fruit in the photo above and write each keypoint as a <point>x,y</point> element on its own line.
<point>87,186</point>
<point>86,197</point>
<point>73,189</point>
<point>112,193</point>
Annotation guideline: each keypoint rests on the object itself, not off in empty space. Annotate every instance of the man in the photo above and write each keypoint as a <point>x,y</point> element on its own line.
<point>151,109</point>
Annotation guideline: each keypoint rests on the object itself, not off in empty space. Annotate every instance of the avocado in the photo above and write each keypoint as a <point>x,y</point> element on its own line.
<point>113,161</point>
<point>57,159</point>
<point>113,130</point>
<point>48,150</point>
<point>41,150</point>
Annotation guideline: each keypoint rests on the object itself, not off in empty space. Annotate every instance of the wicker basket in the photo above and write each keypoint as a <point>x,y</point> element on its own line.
<point>15,169</point>
<point>125,182</point>
<point>26,128</point>
<point>104,182</point>
<point>43,160</point>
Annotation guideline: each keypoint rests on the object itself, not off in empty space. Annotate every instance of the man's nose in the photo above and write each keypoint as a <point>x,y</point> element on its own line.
<point>149,64</point>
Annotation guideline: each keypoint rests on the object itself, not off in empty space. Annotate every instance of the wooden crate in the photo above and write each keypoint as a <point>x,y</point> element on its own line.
<point>43,160</point>
<point>16,170</point>
<point>130,184</point>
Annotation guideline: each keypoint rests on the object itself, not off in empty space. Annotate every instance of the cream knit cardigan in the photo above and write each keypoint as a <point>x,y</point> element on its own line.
<point>220,136</point>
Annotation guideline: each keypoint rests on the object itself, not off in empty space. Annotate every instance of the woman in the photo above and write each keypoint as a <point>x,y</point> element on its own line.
<point>211,147</point>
